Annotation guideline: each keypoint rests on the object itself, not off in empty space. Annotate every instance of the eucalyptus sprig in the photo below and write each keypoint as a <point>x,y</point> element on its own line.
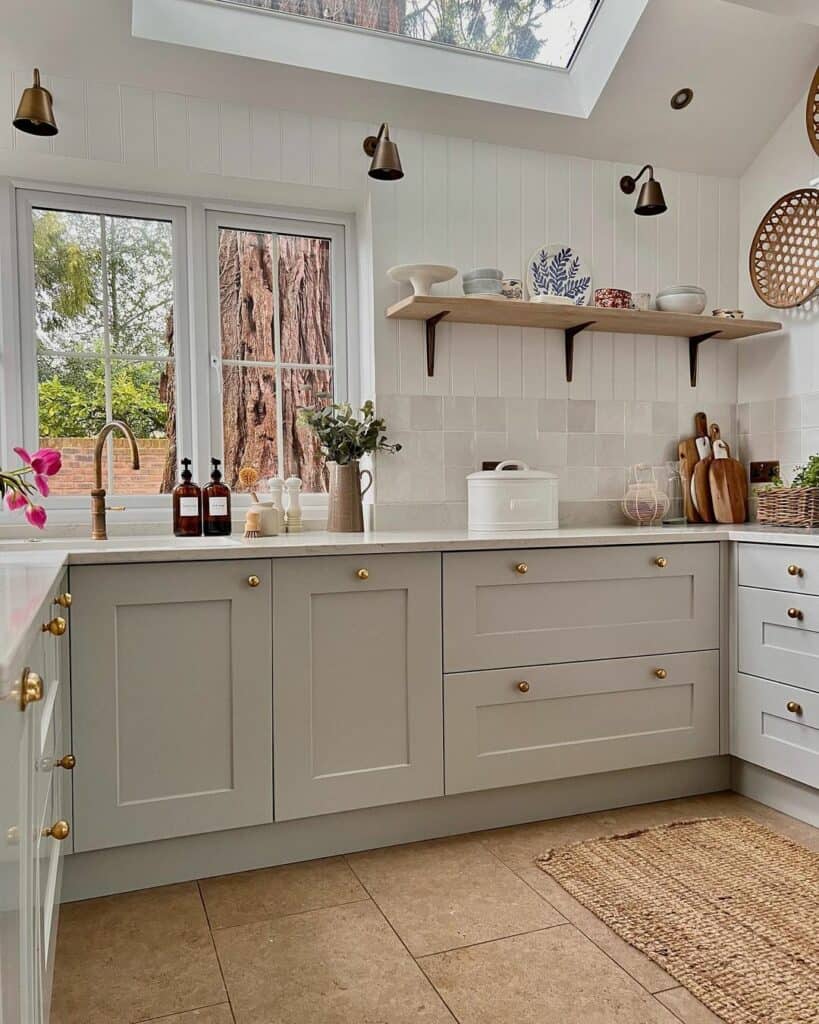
<point>342,435</point>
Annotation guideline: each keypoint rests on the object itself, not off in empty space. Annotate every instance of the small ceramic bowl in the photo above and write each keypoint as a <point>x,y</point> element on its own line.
<point>512,288</point>
<point>553,300</point>
<point>612,298</point>
<point>728,314</point>
<point>482,284</point>
<point>681,302</point>
<point>482,272</point>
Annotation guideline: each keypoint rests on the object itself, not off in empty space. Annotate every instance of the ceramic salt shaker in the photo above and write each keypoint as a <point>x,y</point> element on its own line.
<point>276,486</point>
<point>293,515</point>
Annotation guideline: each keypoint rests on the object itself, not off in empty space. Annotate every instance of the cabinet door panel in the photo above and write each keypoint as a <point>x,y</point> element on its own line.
<point>779,636</point>
<point>578,604</point>
<point>357,676</point>
<point>172,701</point>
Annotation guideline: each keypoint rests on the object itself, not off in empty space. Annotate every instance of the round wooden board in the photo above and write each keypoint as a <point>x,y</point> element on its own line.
<point>812,113</point>
<point>784,256</point>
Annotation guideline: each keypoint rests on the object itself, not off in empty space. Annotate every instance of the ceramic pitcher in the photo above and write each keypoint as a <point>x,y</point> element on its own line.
<point>344,513</point>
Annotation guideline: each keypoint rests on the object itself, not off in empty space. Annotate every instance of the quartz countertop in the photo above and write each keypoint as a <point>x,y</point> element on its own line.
<point>30,569</point>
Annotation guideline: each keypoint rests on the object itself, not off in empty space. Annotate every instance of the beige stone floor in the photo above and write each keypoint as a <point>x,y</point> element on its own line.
<point>464,929</point>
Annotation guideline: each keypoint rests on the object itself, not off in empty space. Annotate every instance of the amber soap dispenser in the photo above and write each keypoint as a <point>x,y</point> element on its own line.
<point>187,505</point>
<point>216,495</point>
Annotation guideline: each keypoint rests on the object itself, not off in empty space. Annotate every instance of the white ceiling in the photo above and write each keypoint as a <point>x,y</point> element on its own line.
<point>747,67</point>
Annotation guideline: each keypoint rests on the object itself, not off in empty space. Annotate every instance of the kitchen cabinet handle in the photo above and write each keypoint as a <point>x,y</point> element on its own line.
<point>796,570</point>
<point>522,568</point>
<point>661,673</point>
<point>363,574</point>
<point>661,562</point>
<point>31,689</point>
<point>56,627</point>
<point>795,613</point>
<point>63,600</point>
<point>523,686</point>
<point>67,761</point>
<point>253,581</point>
<point>794,707</point>
<point>59,830</point>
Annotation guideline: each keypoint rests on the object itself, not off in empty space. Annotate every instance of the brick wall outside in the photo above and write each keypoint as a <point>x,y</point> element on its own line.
<point>77,473</point>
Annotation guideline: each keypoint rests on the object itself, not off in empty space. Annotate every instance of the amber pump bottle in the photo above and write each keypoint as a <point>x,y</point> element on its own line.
<point>216,511</point>
<point>187,505</point>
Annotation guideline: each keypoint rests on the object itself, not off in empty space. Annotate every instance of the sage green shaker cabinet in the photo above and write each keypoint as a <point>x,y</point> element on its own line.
<point>171,700</point>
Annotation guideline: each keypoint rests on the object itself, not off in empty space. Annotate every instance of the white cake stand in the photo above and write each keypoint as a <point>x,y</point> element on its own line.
<point>422,276</point>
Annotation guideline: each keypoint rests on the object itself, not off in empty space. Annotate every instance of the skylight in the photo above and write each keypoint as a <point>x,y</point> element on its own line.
<point>546,32</point>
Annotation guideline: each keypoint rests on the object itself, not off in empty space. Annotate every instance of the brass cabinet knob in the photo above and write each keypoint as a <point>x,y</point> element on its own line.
<point>253,581</point>
<point>63,600</point>
<point>795,613</point>
<point>31,688</point>
<point>523,686</point>
<point>522,568</point>
<point>56,627</point>
<point>363,574</point>
<point>796,570</point>
<point>59,830</point>
<point>794,707</point>
<point>661,562</point>
<point>661,673</point>
<point>67,761</point>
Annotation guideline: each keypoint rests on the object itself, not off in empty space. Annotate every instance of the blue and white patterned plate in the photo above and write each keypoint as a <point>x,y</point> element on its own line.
<point>558,270</point>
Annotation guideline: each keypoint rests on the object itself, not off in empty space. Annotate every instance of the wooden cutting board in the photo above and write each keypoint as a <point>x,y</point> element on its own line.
<point>689,457</point>
<point>702,489</point>
<point>729,490</point>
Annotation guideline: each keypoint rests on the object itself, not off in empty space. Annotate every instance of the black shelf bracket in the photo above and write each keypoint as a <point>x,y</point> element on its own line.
<point>693,353</point>
<point>431,324</point>
<point>568,339</point>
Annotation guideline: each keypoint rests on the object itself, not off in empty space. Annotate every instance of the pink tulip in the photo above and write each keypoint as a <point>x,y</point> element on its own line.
<point>15,500</point>
<point>44,462</point>
<point>36,516</point>
<point>42,484</point>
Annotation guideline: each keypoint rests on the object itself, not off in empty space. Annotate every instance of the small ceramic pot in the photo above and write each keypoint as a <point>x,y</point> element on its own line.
<point>640,300</point>
<point>344,512</point>
<point>612,298</point>
<point>512,288</point>
<point>728,314</point>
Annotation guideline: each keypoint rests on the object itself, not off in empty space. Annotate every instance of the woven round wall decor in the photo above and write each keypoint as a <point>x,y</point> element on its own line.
<point>784,256</point>
<point>812,113</point>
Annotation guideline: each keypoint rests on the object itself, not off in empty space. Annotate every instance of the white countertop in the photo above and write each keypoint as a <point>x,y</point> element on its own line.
<point>29,570</point>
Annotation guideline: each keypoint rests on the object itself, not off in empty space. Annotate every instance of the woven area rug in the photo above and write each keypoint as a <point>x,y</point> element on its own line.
<point>726,906</point>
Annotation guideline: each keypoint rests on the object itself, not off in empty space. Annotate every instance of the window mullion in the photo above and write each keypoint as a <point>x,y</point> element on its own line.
<point>106,350</point>
<point>277,353</point>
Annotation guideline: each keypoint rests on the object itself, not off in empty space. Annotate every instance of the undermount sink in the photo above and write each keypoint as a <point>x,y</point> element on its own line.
<point>114,543</point>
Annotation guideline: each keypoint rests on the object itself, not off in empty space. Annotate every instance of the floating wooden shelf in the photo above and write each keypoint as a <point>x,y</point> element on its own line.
<point>432,309</point>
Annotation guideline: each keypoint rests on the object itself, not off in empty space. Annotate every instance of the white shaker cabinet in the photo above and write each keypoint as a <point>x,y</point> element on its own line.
<point>358,685</point>
<point>171,700</point>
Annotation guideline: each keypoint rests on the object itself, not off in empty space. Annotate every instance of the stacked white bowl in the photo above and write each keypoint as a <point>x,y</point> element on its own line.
<point>681,298</point>
<point>483,281</point>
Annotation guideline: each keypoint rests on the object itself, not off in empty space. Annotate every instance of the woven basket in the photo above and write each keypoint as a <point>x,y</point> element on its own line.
<point>789,506</point>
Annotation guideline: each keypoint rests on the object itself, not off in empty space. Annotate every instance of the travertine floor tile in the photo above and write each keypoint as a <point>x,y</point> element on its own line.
<point>638,965</point>
<point>207,1015</point>
<point>687,1008</point>
<point>556,975</point>
<point>521,844</point>
<point>135,956</point>
<point>342,965</point>
<point>273,892</point>
<point>447,893</point>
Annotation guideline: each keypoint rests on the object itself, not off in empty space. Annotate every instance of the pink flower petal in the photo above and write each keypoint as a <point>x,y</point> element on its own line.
<point>15,500</point>
<point>41,483</point>
<point>24,455</point>
<point>47,461</point>
<point>36,515</point>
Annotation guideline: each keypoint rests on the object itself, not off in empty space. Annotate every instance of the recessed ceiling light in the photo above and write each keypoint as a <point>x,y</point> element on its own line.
<point>681,98</point>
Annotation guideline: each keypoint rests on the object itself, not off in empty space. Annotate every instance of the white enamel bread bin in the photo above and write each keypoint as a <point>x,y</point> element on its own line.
<point>512,497</point>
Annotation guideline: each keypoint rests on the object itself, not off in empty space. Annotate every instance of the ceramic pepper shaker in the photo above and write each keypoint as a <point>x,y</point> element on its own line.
<point>293,515</point>
<point>276,485</point>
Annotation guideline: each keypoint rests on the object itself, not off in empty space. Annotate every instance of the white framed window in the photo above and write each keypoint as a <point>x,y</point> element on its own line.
<point>204,350</point>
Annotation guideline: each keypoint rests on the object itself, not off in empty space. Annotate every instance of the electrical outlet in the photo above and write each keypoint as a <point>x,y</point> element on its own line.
<point>764,472</point>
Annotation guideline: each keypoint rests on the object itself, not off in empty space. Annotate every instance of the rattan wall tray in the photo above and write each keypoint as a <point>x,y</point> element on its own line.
<point>784,256</point>
<point>812,113</point>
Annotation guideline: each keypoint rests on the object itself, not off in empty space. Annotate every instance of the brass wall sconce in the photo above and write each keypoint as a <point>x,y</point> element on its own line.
<point>35,114</point>
<point>385,163</point>
<point>651,200</point>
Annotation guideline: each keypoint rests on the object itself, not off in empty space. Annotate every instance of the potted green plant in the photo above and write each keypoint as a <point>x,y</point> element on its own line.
<point>344,439</point>
<point>797,505</point>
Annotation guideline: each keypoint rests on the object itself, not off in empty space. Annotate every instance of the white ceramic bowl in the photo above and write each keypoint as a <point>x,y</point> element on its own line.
<point>482,284</point>
<point>478,272</point>
<point>422,276</point>
<point>682,289</point>
<point>682,302</point>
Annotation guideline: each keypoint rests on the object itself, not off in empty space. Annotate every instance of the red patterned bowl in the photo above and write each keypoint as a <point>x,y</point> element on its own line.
<point>612,298</point>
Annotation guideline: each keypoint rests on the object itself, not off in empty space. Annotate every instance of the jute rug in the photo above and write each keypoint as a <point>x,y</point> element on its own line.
<point>726,906</point>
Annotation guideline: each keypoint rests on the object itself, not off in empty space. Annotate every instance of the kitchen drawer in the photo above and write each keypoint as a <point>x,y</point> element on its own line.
<point>537,607</point>
<point>508,727</point>
<point>779,636</point>
<point>768,733</point>
<point>776,567</point>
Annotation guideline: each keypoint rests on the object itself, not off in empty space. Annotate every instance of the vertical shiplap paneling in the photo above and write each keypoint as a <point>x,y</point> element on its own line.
<point>385,292</point>
<point>265,144</point>
<point>103,122</point>
<point>602,255</point>
<point>325,159</point>
<point>353,160</point>
<point>295,147</point>
<point>581,237</point>
<point>708,278</point>
<point>7,108</point>
<point>625,242</point>
<point>138,126</point>
<point>667,261</point>
<point>645,280</point>
<point>558,204</point>
<point>71,140</point>
<point>728,289</point>
<point>234,140</point>
<point>461,246</point>
<point>485,254</point>
<point>435,248</point>
<point>203,135</point>
<point>409,248</point>
<point>171,112</point>
<point>533,235</point>
<point>510,219</point>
